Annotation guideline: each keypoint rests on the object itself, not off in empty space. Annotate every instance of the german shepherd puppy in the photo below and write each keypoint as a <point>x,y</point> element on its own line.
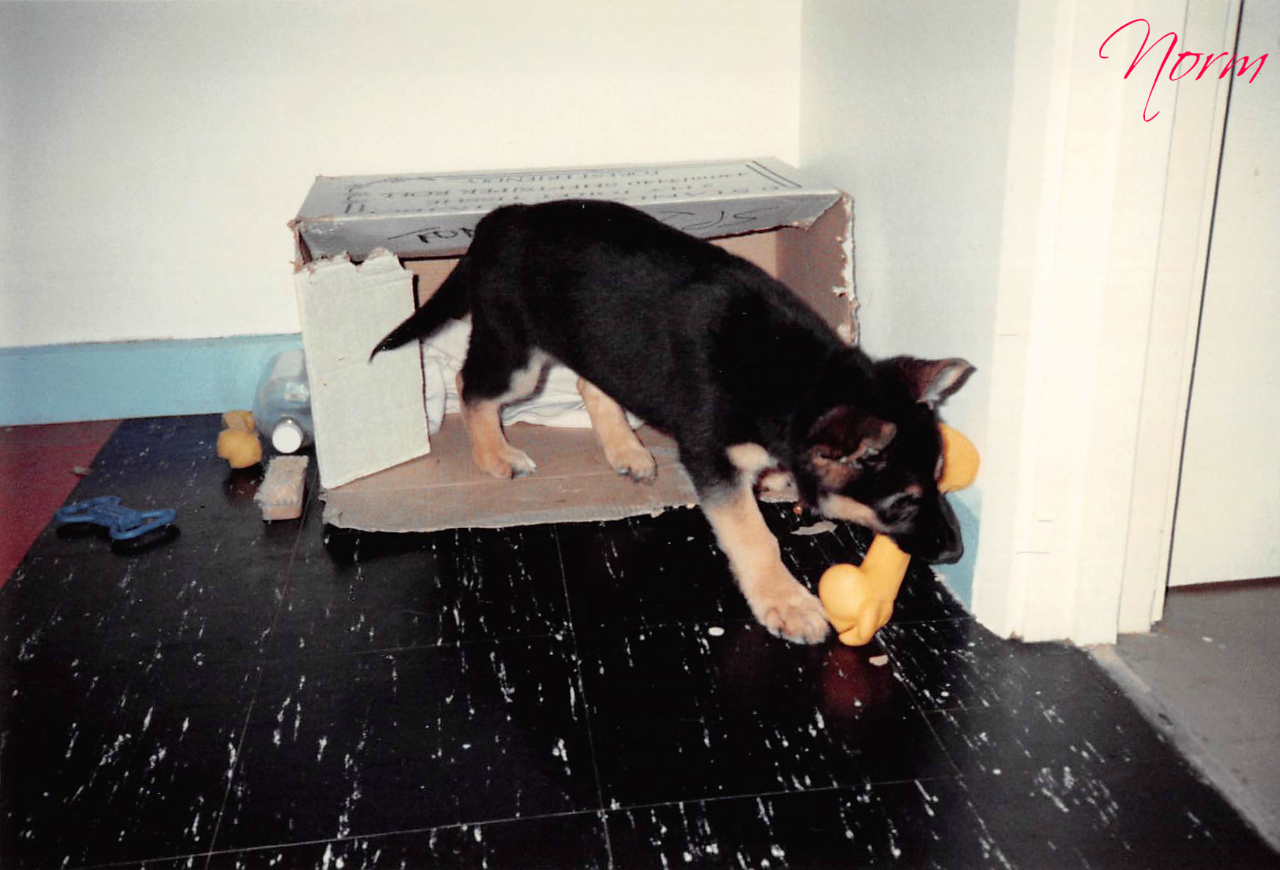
<point>707,347</point>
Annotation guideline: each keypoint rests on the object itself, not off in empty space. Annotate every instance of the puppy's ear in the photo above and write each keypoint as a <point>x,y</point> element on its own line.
<point>931,381</point>
<point>843,441</point>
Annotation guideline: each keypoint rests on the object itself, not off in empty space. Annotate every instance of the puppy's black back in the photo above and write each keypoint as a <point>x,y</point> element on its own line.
<point>680,332</point>
<point>710,349</point>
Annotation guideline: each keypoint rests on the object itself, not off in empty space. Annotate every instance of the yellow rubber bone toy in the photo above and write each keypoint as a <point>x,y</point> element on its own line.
<point>859,599</point>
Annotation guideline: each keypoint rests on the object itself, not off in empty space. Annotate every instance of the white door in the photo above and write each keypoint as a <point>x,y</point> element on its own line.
<point>1228,516</point>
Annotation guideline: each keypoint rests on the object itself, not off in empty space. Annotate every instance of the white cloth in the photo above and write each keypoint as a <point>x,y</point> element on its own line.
<point>557,404</point>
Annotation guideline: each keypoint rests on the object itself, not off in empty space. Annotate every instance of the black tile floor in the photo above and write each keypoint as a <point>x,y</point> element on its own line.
<point>252,695</point>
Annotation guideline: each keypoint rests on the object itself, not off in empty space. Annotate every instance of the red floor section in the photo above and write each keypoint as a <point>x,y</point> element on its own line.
<point>37,472</point>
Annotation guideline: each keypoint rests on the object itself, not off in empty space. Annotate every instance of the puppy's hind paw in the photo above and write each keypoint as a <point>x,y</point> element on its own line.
<point>522,465</point>
<point>634,462</point>
<point>506,463</point>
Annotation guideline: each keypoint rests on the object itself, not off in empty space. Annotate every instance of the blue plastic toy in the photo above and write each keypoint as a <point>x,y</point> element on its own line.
<point>124,524</point>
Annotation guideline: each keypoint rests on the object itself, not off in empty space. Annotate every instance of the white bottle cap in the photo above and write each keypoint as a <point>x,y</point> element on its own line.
<point>287,437</point>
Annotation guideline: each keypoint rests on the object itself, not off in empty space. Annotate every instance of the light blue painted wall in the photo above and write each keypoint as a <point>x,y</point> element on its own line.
<point>60,383</point>
<point>959,577</point>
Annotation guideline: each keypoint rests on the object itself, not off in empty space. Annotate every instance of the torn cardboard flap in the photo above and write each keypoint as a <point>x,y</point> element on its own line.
<point>434,215</point>
<point>380,470</point>
<point>367,415</point>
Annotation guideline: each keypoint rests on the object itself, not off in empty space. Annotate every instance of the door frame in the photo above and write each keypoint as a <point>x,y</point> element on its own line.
<point>1103,254</point>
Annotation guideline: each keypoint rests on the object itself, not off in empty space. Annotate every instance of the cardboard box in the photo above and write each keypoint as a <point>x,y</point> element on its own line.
<point>370,248</point>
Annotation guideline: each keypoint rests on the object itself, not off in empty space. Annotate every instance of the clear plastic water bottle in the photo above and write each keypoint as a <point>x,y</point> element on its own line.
<point>283,403</point>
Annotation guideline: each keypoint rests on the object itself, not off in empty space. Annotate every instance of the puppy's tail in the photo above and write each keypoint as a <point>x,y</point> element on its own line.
<point>451,301</point>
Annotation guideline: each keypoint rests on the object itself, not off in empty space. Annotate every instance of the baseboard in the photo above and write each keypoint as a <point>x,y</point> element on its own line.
<point>115,380</point>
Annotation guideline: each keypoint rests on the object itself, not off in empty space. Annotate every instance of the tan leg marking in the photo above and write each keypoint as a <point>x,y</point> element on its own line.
<point>777,485</point>
<point>776,598</point>
<point>489,446</point>
<point>839,507</point>
<point>762,471</point>
<point>622,448</point>
<point>750,459</point>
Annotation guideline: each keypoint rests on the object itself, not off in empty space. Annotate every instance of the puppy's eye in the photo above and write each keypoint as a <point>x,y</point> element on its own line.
<point>871,460</point>
<point>900,507</point>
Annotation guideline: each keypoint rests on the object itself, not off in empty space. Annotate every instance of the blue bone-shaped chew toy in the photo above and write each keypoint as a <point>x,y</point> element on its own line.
<point>124,524</point>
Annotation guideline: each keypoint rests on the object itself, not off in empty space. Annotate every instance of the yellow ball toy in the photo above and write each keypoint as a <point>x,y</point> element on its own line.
<point>859,599</point>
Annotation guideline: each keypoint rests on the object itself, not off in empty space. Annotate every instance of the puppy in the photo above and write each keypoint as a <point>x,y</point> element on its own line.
<point>707,347</point>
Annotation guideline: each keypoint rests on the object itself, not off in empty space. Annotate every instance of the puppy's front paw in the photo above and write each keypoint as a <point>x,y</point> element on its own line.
<point>791,612</point>
<point>633,461</point>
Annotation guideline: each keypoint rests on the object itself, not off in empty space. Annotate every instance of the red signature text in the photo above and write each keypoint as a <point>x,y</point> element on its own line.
<point>1186,63</point>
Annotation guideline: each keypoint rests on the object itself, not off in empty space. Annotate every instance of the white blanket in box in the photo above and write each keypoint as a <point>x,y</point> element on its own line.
<point>557,404</point>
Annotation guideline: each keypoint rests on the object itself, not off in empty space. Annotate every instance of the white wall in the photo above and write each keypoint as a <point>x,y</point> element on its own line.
<point>907,108</point>
<point>151,154</point>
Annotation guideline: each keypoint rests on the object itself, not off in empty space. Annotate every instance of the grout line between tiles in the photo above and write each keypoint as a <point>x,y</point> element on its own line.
<point>257,684</point>
<point>438,644</point>
<point>987,838</point>
<point>937,738</point>
<point>518,819</point>
<point>825,789</point>
<point>235,762</point>
<point>350,838</point>
<point>582,693</point>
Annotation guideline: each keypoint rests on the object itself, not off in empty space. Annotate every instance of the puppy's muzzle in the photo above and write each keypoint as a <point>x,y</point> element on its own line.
<point>934,536</point>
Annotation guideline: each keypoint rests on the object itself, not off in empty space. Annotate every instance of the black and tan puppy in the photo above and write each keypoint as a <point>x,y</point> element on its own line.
<point>708,348</point>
